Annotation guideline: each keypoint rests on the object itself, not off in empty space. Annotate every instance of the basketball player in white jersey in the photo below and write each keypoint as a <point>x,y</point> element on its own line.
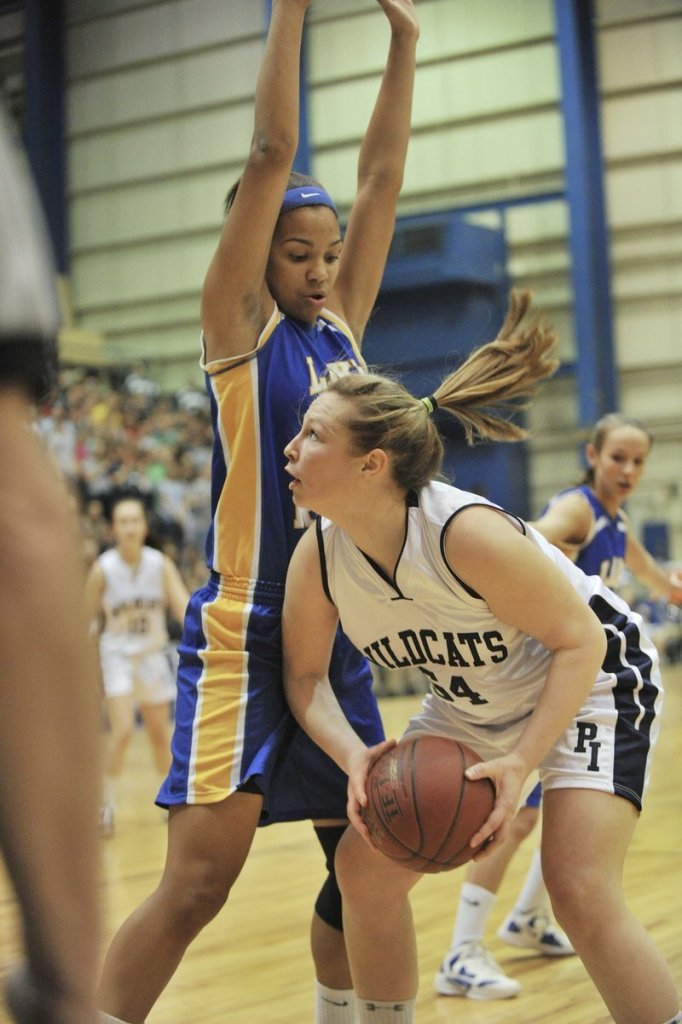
<point>130,589</point>
<point>588,524</point>
<point>49,732</point>
<point>534,664</point>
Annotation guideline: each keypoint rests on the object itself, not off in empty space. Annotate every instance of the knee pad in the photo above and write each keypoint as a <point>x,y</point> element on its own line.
<point>328,902</point>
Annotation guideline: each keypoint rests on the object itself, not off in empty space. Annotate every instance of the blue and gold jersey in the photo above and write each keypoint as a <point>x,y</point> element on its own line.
<point>257,403</point>
<point>602,553</point>
<point>232,723</point>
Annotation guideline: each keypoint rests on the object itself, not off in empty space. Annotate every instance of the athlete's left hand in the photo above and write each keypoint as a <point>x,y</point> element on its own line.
<point>507,774</point>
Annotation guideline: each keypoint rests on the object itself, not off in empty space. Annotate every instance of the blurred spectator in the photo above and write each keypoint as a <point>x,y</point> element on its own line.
<point>112,434</point>
<point>170,491</point>
<point>139,382</point>
<point>192,400</point>
<point>197,499</point>
<point>60,436</point>
<point>96,529</point>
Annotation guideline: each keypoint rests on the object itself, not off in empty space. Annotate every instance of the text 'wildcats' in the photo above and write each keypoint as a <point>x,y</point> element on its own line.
<point>425,646</point>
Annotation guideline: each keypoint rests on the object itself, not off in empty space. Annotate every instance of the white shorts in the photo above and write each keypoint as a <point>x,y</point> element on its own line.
<point>608,745</point>
<point>147,677</point>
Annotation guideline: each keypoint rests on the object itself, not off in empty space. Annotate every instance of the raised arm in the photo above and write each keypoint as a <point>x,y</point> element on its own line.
<point>381,167</point>
<point>235,302</point>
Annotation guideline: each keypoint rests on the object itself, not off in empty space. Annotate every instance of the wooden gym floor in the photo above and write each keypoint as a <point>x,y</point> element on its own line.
<point>252,964</point>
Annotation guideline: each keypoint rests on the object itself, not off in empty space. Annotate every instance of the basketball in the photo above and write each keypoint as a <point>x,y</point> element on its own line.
<point>421,809</point>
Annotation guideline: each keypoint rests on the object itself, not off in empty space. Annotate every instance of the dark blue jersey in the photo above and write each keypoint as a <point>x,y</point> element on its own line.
<point>603,550</point>
<point>258,401</point>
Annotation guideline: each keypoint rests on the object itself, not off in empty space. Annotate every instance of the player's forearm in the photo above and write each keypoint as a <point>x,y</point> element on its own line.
<point>276,105</point>
<point>569,681</point>
<point>646,569</point>
<point>316,709</point>
<point>384,147</point>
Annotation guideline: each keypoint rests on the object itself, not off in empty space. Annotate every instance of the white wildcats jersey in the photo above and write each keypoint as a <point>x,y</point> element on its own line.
<point>481,669</point>
<point>134,603</point>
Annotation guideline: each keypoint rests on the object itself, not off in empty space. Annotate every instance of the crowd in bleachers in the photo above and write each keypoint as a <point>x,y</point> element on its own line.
<point>114,434</point>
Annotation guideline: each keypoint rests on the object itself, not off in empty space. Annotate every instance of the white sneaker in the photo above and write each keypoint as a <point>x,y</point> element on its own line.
<point>469,970</point>
<point>535,931</point>
<point>106,820</point>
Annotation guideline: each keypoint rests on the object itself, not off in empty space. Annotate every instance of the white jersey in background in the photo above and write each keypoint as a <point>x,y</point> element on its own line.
<point>134,604</point>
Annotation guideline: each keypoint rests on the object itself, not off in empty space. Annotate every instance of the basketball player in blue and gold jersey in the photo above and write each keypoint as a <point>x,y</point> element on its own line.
<point>588,522</point>
<point>284,307</point>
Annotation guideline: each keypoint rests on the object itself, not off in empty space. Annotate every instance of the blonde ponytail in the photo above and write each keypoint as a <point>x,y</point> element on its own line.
<point>494,380</point>
<point>381,413</point>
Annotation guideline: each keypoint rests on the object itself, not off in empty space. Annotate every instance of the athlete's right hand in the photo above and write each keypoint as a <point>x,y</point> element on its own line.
<point>507,774</point>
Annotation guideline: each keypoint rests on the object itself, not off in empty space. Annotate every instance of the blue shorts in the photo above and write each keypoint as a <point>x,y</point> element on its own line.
<point>233,724</point>
<point>534,797</point>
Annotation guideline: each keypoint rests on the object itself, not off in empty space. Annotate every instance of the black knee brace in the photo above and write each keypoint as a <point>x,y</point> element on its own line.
<point>328,902</point>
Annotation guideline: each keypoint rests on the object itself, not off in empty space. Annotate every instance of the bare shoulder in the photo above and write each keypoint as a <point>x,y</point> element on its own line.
<point>477,535</point>
<point>568,519</point>
<point>306,555</point>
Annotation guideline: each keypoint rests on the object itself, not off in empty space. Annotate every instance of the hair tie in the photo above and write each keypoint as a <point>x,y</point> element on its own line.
<point>431,404</point>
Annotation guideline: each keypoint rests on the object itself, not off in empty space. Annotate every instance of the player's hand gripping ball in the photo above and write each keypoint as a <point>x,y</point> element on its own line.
<point>421,808</point>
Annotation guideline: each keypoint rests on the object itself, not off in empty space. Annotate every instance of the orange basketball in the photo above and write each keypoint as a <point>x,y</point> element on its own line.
<point>421,808</point>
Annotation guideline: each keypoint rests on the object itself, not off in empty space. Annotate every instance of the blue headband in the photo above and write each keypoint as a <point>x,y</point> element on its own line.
<point>307,195</point>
